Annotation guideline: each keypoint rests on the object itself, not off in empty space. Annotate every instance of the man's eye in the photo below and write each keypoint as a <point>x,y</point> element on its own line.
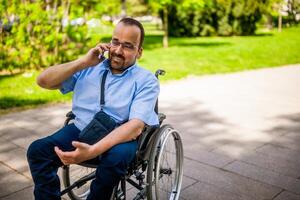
<point>128,46</point>
<point>116,43</point>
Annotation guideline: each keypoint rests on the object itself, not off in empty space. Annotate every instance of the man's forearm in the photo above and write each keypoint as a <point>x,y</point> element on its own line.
<point>127,132</point>
<point>52,77</point>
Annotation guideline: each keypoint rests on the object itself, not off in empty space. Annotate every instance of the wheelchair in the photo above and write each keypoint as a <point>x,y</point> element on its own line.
<point>156,171</point>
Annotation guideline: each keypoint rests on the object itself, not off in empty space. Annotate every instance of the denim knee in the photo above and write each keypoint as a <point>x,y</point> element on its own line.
<point>34,149</point>
<point>121,154</point>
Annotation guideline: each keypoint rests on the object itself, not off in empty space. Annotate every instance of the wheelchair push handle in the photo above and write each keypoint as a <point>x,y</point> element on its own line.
<point>160,72</point>
<point>70,115</point>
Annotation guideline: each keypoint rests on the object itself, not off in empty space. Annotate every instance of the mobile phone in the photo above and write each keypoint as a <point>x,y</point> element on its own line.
<point>103,55</point>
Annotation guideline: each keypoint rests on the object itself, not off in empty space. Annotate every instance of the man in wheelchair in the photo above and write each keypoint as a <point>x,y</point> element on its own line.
<point>116,86</point>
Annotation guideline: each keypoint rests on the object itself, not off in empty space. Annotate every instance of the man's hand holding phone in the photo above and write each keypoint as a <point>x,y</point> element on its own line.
<point>95,55</point>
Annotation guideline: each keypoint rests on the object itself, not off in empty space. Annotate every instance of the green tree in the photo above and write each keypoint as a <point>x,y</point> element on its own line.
<point>274,8</point>
<point>37,34</point>
<point>165,9</point>
<point>162,6</point>
<point>137,8</point>
<point>209,17</point>
<point>293,9</point>
<point>109,8</point>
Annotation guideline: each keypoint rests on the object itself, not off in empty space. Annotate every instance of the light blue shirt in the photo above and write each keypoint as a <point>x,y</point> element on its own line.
<point>130,95</point>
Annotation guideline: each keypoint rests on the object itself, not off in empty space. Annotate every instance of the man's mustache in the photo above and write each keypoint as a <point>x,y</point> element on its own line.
<point>117,55</point>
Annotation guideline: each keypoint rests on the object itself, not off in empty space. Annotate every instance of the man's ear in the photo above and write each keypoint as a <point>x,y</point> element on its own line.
<point>140,52</point>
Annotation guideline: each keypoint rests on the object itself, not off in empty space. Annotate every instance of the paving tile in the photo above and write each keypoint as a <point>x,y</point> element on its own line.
<point>5,120</point>
<point>287,196</point>
<point>237,150</point>
<point>26,122</point>
<point>265,176</point>
<point>24,194</point>
<point>195,144</point>
<point>31,126</point>
<point>294,135</point>
<point>210,158</point>
<point>291,140</point>
<point>187,181</point>
<point>203,191</point>
<point>5,127</point>
<point>278,151</point>
<point>287,143</point>
<point>16,159</point>
<point>11,181</point>
<point>47,110</point>
<point>230,182</point>
<point>57,121</point>
<point>6,146</point>
<point>20,137</point>
<point>43,130</point>
<point>276,164</point>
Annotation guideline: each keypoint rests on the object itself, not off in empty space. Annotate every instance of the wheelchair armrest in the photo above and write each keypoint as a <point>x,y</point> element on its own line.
<point>161,117</point>
<point>70,115</point>
<point>148,131</point>
<point>143,139</point>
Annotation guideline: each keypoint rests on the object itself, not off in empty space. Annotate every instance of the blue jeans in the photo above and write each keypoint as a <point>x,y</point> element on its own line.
<point>44,163</point>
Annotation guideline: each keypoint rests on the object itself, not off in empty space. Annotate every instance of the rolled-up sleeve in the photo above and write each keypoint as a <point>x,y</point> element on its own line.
<point>69,84</point>
<point>143,103</point>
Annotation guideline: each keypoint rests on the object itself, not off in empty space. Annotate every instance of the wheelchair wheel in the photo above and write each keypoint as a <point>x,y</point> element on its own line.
<point>73,173</point>
<point>165,168</point>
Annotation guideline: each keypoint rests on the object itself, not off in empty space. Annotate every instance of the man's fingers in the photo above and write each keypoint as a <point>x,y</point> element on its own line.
<point>106,46</point>
<point>100,50</point>
<point>79,145</point>
<point>58,152</point>
<point>103,47</point>
<point>64,155</point>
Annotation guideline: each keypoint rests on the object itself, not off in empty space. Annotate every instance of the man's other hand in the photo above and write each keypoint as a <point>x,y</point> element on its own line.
<point>82,153</point>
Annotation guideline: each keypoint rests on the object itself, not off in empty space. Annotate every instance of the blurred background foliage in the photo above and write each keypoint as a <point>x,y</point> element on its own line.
<point>40,33</point>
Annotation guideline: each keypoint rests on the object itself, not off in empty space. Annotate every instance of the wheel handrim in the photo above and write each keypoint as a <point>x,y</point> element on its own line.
<point>169,169</point>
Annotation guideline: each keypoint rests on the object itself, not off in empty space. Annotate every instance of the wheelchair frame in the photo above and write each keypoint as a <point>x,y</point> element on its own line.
<point>151,144</point>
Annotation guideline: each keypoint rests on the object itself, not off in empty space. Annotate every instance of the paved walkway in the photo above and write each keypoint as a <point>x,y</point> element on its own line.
<point>241,135</point>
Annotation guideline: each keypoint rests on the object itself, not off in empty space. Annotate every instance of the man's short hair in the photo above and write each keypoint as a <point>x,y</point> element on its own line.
<point>133,22</point>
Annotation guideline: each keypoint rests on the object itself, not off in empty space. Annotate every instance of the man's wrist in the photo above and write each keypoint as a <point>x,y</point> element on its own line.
<point>94,151</point>
<point>80,64</point>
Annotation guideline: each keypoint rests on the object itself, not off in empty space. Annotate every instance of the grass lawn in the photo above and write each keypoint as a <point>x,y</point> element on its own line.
<point>20,91</point>
<point>210,55</point>
<point>185,56</point>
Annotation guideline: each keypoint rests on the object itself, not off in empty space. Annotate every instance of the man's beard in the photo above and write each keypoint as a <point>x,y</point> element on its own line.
<point>119,60</point>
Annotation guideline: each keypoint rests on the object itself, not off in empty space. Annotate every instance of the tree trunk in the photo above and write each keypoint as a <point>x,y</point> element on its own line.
<point>165,27</point>
<point>57,29</point>
<point>123,8</point>
<point>279,21</point>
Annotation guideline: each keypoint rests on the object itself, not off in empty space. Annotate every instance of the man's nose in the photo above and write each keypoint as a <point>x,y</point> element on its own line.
<point>119,49</point>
